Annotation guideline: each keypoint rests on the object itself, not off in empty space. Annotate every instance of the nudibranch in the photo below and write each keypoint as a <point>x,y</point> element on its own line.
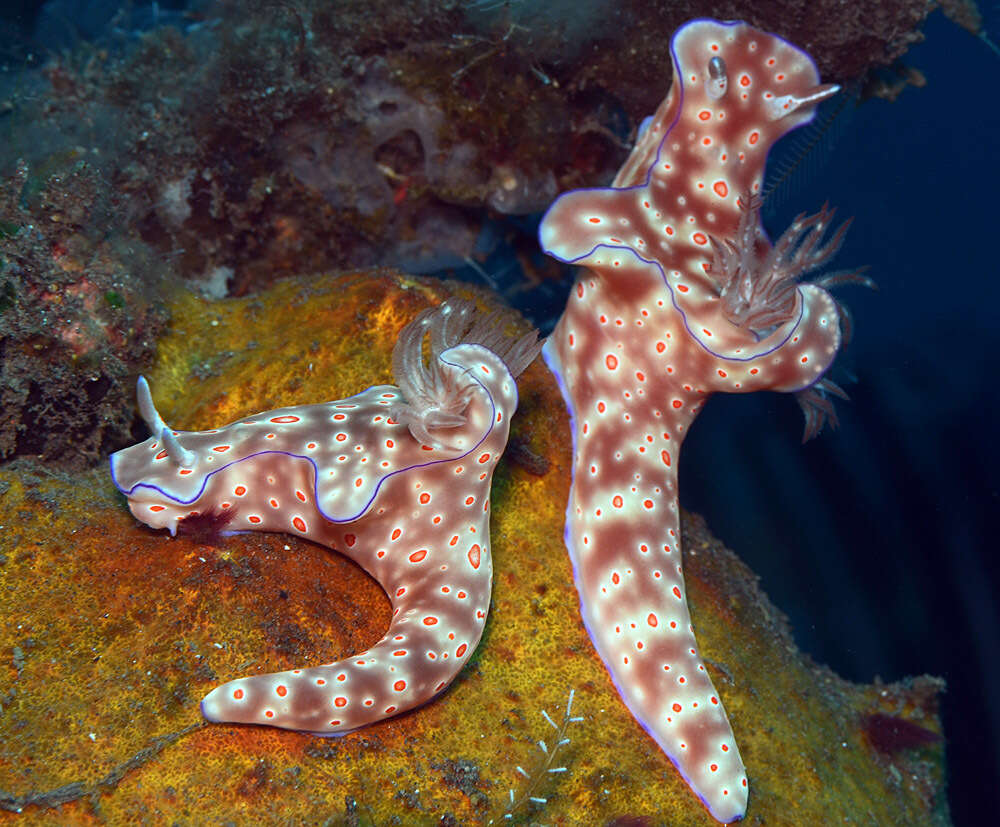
<point>682,295</point>
<point>396,478</point>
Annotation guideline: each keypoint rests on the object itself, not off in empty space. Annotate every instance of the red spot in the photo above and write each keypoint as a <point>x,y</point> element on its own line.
<point>744,80</point>
<point>425,498</point>
<point>665,456</point>
<point>660,347</point>
<point>400,591</point>
<point>157,507</point>
<point>475,555</point>
<point>350,539</point>
<point>677,403</point>
<point>240,490</point>
<point>615,578</point>
<point>269,714</point>
<point>617,501</point>
<point>651,620</point>
<point>286,418</point>
<point>221,448</point>
<point>341,437</point>
<point>396,533</point>
<point>282,691</point>
<point>484,458</point>
<point>389,710</point>
<point>341,677</point>
<point>804,359</point>
<point>339,416</point>
<point>704,114</point>
<point>430,620</point>
<point>720,189</point>
<point>722,373</point>
<point>683,288</point>
<point>399,686</point>
<point>601,407</point>
<point>461,650</point>
<point>714,700</point>
<point>417,556</point>
<point>595,220</point>
<point>470,500</point>
<point>754,137</point>
<point>754,371</point>
<point>340,701</point>
<point>725,748</point>
<point>454,540</point>
<point>611,361</point>
<point>238,694</point>
<point>253,518</point>
<point>706,141</point>
<point>299,523</point>
<point>647,504</point>
<point>273,502</point>
<point>320,682</point>
<point>161,455</point>
<point>676,707</point>
<point>677,592</point>
<point>184,471</point>
<point>714,767</point>
<point>300,495</point>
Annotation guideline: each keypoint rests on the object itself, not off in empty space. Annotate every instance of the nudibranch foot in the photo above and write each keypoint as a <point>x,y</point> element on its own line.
<point>371,477</point>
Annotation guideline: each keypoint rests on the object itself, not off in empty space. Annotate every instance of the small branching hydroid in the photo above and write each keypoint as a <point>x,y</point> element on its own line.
<point>547,765</point>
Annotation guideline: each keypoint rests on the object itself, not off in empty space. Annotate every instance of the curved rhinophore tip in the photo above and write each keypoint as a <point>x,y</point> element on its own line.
<point>147,409</point>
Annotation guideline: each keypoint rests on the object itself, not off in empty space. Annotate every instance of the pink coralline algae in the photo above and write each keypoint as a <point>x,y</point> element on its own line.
<point>397,478</point>
<point>682,295</point>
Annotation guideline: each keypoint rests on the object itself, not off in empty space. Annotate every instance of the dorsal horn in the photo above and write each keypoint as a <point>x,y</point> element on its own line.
<point>147,409</point>
<point>177,452</point>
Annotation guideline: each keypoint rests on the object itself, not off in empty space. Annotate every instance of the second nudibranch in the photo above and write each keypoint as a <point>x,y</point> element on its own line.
<point>396,478</point>
<point>682,295</point>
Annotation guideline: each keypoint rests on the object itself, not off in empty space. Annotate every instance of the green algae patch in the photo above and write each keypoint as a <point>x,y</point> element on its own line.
<point>112,633</point>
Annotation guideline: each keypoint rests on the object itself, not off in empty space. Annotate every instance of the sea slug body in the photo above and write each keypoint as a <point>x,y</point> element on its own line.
<point>396,478</point>
<point>681,295</point>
